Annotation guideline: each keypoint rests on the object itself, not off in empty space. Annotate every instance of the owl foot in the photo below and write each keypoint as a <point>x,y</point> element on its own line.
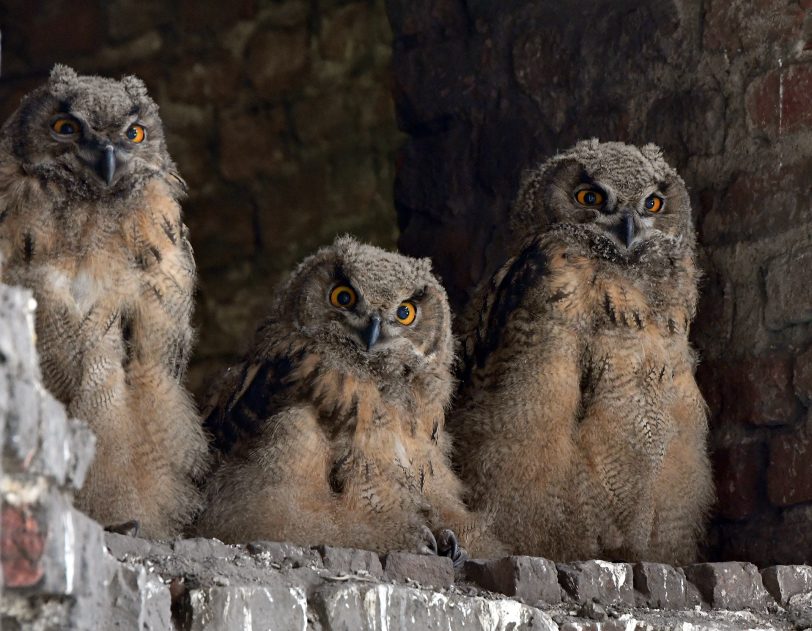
<point>427,543</point>
<point>449,546</point>
<point>128,528</point>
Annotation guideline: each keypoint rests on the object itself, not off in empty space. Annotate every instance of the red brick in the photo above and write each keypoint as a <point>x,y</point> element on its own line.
<point>739,471</point>
<point>758,204</point>
<point>803,376</point>
<point>797,103</point>
<point>781,100</point>
<point>21,547</point>
<point>789,477</point>
<point>754,390</point>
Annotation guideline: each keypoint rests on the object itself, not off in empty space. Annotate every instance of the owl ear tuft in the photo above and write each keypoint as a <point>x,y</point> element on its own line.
<point>652,152</point>
<point>134,86</point>
<point>62,79</point>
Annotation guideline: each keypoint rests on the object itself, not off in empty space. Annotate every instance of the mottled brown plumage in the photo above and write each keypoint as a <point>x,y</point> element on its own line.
<point>90,221</point>
<point>579,424</point>
<point>330,434</point>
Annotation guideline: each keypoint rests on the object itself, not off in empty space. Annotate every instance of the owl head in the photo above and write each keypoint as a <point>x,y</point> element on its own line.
<point>627,196</point>
<point>369,311</point>
<point>89,134</point>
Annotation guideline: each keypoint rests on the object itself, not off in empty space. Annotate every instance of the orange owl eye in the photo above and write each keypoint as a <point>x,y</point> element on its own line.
<point>654,203</point>
<point>343,297</point>
<point>65,126</point>
<point>589,197</point>
<point>136,133</point>
<point>406,313</point>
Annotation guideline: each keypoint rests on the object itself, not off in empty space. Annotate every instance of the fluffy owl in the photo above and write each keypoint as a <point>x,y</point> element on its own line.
<point>331,431</point>
<point>579,423</point>
<point>90,221</point>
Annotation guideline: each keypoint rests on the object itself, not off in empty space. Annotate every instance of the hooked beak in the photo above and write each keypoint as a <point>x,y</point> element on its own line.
<point>107,164</point>
<point>627,229</point>
<point>372,332</point>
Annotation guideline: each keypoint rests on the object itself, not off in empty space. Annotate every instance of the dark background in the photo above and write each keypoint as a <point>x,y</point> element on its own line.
<point>283,117</point>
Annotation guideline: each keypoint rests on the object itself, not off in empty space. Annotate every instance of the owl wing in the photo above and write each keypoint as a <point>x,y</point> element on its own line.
<point>247,396</point>
<point>497,300</point>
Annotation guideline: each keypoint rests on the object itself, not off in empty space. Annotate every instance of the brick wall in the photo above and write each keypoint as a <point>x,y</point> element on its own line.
<point>486,89</point>
<point>278,114</point>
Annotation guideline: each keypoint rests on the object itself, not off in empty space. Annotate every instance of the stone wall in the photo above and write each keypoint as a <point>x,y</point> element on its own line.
<point>487,89</point>
<point>278,113</point>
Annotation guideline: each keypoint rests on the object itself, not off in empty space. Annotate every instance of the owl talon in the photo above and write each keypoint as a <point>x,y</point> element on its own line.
<point>428,545</point>
<point>449,546</point>
<point>128,528</point>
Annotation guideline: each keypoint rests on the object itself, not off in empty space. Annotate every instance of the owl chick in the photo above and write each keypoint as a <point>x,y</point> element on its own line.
<point>90,221</point>
<point>332,429</point>
<point>579,423</point>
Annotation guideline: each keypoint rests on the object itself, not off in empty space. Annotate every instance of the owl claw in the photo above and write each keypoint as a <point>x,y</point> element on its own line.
<point>449,546</point>
<point>428,545</point>
<point>128,528</point>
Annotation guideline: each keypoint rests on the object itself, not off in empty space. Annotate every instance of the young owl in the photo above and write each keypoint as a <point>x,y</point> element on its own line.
<point>579,424</point>
<point>331,431</point>
<point>89,220</point>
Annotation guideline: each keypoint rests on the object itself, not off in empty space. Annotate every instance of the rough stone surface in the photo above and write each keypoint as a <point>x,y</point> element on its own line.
<point>351,561</point>
<point>529,579</point>
<point>601,581</point>
<point>663,587</point>
<point>729,585</point>
<point>421,568</point>
<point>786,581</point>
<point>354,607</point>
<point>247,607</point>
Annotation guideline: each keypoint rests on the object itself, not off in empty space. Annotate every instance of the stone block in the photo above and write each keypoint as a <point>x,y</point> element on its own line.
<point>278,60</point>
<point>787,291</point>
<point>426,569</point>
<point>599,581</point>
<point>350,561</point>
<point>286,554</point>
<point>789,476</point>
<point>360,607</point>
<point>778,101</point>
<point>786,581</point>
<point>662,587</point>
<point>739,472</point>
<point>730,585</point>
<point>529,579</point>
<point>802,379</point>
<point>200,548</point>
<point>17,347</point>
<point>247,607</point>
<point>138,600</point>
<point>126,548</point>
<point>755,390</point>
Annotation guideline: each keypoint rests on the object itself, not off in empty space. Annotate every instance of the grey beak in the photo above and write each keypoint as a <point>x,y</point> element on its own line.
<point>372,332</point>
<point>107,164</point>
<point>627,227</point>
